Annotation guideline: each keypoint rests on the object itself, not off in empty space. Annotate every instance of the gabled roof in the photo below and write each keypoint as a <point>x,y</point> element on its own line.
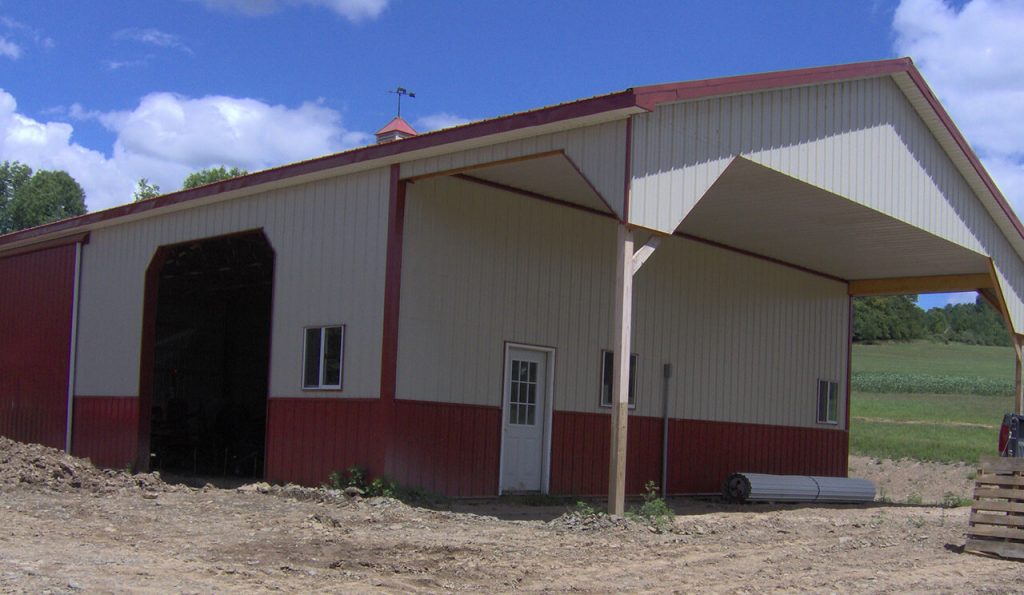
<point>618,104</point>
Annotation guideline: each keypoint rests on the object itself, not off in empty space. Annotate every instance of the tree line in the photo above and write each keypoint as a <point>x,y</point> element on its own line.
<point>899,318</point>
<point>31,198</point>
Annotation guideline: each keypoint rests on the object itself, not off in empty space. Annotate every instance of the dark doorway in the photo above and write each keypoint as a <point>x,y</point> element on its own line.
<point>211,356</point>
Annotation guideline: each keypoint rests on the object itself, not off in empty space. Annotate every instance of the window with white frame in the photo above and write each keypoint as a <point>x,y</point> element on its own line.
<point>324,356</point>
<point>608,375</point>
<point>828,402</point>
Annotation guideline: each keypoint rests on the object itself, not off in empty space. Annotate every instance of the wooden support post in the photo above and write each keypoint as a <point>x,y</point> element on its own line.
<point>620,383</point>
<point>1018,388</point>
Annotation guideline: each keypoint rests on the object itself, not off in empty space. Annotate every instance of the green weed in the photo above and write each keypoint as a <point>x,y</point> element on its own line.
<point>653,510</point>
<point>385,488</point>
<point>951,500</point>
<point>585,509</point>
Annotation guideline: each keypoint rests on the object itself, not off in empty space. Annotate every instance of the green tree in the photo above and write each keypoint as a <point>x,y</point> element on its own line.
<point>888,318</point>
<point>144,190</point>
<point>974,324</point>
<point>13,175</point>
<point>211,175</point>
<point>45,197</point>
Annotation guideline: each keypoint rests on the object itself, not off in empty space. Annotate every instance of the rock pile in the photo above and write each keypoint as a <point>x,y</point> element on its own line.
<point>40,467</point>
<point>575,521</point>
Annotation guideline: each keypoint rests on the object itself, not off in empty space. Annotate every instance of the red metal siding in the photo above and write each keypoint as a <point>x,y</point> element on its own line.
<point>447,448</point>
<point>104,430</point>
<point>308,438</point>
<point>701,453</point>
<point>579,457</point>
<point>36,296</point>
<point>455,449</point>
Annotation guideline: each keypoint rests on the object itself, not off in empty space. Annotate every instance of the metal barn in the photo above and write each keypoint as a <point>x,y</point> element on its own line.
<point>570,300</point>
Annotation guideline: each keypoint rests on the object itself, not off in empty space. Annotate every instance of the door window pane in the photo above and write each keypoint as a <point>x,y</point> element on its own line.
<point>523,393</point>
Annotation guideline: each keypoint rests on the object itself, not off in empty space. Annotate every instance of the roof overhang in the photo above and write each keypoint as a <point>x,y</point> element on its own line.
<point>761,211</point>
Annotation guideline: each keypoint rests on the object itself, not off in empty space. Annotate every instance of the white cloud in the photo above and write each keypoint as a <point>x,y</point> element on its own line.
<point>167,136</point>
<point>153,37</point>
<point>9,49</point>
<point>973,57</point>
<point>24,33</point>
<point>438,121</point>
<point>48,145</point>
<point>353,10</point>
<point>119,64</point>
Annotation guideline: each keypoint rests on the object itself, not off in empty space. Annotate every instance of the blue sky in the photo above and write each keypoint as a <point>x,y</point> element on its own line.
<point>117,90</point>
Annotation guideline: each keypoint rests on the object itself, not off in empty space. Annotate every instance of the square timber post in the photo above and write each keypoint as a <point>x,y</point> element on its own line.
<point>1018,388</point>
<point>620,384</point>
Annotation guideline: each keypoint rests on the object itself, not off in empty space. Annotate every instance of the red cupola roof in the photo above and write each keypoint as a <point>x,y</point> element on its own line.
<point>396,129</point>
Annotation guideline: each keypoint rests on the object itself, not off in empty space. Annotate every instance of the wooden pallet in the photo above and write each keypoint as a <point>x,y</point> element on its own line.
<point>996,525</point>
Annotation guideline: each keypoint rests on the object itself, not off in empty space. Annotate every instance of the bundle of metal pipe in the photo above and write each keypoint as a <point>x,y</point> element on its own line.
<point>762,487</point>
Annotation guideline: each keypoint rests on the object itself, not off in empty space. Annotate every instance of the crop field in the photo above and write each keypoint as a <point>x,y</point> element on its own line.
<point>929,401</point>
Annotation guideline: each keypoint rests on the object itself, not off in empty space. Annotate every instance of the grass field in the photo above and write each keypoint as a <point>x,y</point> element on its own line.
<point>926,357</point>
<point>928,426</point>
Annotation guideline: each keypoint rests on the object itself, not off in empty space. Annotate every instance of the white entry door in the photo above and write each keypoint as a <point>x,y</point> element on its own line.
<point>523,459</point>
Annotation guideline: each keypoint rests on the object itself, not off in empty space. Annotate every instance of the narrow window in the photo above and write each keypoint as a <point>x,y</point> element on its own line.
<point>607,377</point>
<point>828,402</point>
<point>323,357</point>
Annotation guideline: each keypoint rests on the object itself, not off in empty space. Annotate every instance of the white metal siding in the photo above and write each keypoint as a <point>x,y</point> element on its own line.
<point>859,139</point>
<point>598,151</point>
<point>748,339</point>
<point>329,240</point>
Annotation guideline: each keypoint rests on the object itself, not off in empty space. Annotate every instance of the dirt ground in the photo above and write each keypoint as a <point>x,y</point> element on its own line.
<point>65,527</point>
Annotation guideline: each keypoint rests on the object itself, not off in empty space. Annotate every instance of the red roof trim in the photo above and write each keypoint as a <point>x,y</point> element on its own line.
<point>962,143</point>
<point>79,238</point>
<point>539,117</point>
<point>650,96</point>
<point>647,97</point>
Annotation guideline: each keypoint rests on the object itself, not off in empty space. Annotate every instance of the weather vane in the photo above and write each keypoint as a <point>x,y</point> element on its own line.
<point>399,92</point>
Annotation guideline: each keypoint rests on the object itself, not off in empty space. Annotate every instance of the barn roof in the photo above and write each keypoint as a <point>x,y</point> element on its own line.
<point>572,114</point>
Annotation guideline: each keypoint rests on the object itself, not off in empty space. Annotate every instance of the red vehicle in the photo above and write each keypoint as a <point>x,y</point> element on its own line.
<point>1010,437</point>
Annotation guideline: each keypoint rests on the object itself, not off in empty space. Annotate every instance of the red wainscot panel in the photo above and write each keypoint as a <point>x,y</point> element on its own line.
<point>580,444</point>
<point>447,448</point>
<point>308,438</point>
<point>36,294</point>
<point>104,429</point>
<point>703,453</point>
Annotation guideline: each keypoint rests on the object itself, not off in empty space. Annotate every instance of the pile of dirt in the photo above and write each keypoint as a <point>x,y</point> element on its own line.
<point>325,495</point>
<point>915,482</point>
<point>40,467</point>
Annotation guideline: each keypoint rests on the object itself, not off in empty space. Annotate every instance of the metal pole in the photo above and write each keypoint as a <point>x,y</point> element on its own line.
<point>620,386</point>
<point>73,351</point>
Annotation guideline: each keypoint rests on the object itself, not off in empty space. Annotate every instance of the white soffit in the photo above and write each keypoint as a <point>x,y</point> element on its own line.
<point>760,210</point>
<point>551,175</point>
